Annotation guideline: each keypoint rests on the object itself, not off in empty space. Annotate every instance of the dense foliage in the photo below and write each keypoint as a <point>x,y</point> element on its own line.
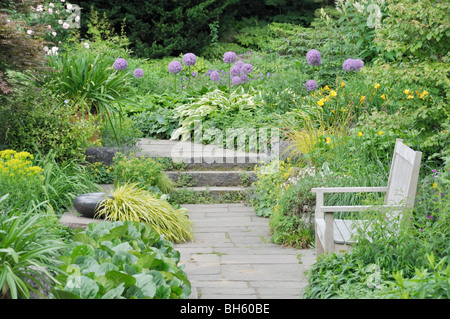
<point>118,260</point>
<point>347,80</point>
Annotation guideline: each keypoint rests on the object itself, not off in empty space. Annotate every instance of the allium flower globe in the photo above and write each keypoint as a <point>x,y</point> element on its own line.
<point>244,78</point>
<point>175,67</point>
<point>313,57</point>
<point>247,68</point>
<point>236,80</point>
<point>189,59</point>
<point>229,57</point>
<point>120,64</point>
<point>138,73</point>
<point>235,70</point>
<point>352,65</point>
<point>215,76</point>
<point>311,85</point>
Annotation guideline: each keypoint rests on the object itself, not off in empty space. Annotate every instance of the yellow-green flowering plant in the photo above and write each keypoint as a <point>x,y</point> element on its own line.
<point>17,172</point>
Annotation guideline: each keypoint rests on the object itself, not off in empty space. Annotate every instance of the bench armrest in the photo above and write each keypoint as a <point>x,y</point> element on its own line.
<point>335,209</point>
<point>348,189</point>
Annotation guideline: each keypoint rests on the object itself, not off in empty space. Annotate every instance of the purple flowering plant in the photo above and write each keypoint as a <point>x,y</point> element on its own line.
<point>310,85</point>
<point>350,65</point>
<point>138,73</point>
<point>175,68</point>
<point>189,59</point>
<point>120,64</point>
<point>313,57</point>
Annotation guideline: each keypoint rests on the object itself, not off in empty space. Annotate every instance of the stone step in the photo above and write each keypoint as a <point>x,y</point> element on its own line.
<point>215,191</point>
<point>199,156</point>
<point>212,178</point>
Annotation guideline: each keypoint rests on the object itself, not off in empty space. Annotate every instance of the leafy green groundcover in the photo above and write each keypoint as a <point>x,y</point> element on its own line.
<point>117,260</point>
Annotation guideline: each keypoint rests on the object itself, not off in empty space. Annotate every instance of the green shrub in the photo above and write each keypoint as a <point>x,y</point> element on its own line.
<point>121,260</point>
<point>415,29</point>
<point>145,172</point>
<point>162,29</point>
<point>32,120</point>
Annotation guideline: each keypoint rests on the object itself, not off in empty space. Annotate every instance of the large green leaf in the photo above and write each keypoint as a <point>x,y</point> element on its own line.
<point>82,286</point>
<point>146,284</point>
<point>118,277</point>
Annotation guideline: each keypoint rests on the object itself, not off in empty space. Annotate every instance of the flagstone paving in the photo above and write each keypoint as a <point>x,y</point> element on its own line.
<point>232,257</point>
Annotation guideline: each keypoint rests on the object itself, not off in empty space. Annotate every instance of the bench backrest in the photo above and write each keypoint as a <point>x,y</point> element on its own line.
<point>404,175</point>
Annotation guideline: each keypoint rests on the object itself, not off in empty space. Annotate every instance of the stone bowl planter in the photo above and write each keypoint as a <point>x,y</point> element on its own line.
<point>87,204</point>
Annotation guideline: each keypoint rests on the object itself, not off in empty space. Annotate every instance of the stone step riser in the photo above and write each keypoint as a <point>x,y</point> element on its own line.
<point>212,178</point>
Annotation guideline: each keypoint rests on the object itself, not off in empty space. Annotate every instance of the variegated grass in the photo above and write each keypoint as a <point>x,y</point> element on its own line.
<point>132,203</point>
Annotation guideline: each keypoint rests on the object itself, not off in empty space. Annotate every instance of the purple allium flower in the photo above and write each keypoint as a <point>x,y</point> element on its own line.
<point>189,59</point>
<point>235,70</point>
<point>120,64</point>
<point>247,68</point>
<point>236,80</point>
<point>229,57</point>
<point>138,73</point>
<point>313,57</point>
<point>352,65</point>
<point>215,76</point>
<point>175,67</point>
<point>310,85</point>
<point>244,78</point>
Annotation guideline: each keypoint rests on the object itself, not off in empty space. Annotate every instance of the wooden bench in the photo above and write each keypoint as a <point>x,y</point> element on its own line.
<point>337,234</point>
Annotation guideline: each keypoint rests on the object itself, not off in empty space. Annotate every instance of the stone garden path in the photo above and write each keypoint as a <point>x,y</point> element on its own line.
<point>231,256</point>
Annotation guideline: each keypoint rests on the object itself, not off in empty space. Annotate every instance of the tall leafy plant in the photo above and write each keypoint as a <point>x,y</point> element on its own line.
<point>25,253</point>
<point>90,82</point>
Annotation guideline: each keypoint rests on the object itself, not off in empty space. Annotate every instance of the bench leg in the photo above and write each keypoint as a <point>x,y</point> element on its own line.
<point>319,247</point>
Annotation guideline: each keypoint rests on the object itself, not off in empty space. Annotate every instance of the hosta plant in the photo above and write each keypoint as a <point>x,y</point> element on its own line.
<point>132,203</point>
<point>121,260</point>
<point>212,104</point>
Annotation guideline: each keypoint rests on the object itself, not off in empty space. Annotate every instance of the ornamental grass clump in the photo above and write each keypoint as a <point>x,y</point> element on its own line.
<point>131,203</point>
